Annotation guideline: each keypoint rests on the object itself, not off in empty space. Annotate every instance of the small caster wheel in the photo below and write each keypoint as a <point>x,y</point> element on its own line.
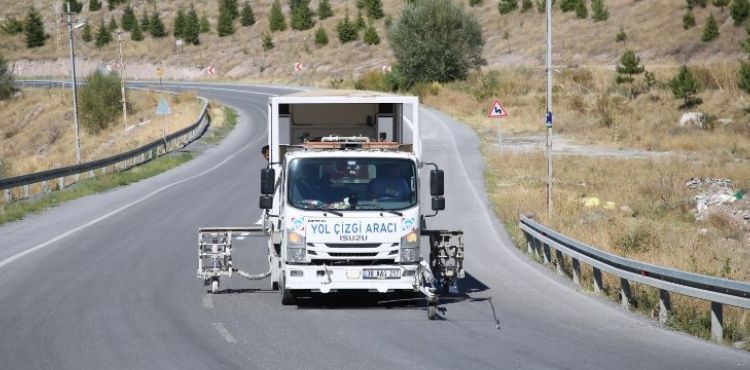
<point>215,286</point>
<point>432,312</point>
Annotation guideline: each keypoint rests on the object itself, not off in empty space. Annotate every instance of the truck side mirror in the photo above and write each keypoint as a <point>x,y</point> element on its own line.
<point>437,185</point>
<point>266,202</point>
<point>438,203</point>
<point>267,181</point>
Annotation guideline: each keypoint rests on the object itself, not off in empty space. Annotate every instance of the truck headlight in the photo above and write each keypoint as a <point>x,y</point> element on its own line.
<point>410,247</point>
<point>295,247</point>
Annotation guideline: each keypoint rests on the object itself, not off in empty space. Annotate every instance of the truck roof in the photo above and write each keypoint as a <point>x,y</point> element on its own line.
<point>335,92</point>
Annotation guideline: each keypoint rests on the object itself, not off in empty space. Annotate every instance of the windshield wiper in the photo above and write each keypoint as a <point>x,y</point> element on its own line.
<point>397,213</point>
<point>337,213</point>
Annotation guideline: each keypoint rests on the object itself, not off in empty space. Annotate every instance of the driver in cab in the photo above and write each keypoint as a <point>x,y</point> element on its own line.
<point>390,184</point>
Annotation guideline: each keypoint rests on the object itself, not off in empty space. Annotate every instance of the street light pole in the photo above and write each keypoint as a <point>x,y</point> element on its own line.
<point>73,83</point>
<point>122,84</point>
<point>548,117</point>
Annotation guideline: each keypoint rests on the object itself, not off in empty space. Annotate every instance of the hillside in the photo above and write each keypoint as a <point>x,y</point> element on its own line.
<point>654,30</point>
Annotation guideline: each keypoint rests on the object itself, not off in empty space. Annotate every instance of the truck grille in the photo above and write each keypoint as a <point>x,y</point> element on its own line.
<point>343,245</point>
<point>352,254</point>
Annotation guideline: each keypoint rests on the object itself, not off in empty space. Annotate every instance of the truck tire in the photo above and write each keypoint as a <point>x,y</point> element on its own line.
<point>287,298</point>
<point>431,312</point>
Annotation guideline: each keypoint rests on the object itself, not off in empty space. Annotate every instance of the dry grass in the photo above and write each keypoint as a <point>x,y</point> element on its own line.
<point>577,42</point>
<point>36,136</point>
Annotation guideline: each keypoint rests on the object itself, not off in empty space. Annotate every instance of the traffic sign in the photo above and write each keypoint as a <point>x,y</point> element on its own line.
<point>163,109</point>
<point>386,68</point>
<point>497,111</point>
<point>159,72</point>
<point>548,119</point>
<point>298,67</point>
<point>211,70</point>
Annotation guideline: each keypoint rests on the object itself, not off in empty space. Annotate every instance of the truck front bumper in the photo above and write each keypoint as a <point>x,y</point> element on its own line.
<point>325,279</point>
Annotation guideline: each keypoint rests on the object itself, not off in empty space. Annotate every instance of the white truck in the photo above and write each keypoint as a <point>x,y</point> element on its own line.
<point>341,203</point>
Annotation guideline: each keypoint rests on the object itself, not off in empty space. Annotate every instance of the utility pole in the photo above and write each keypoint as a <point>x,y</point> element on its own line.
<point>122,84</point>
<point>73,83</point>
<point>548,117</point>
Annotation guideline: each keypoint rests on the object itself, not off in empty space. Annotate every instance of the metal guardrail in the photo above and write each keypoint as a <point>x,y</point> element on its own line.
<point>541,239</point>
<point>20,187</point>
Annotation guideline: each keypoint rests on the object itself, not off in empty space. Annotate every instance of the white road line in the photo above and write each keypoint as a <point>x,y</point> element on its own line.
<point>259,222</point>
<point>240,238</point>
<point>224,332</point>
<point>208,301</point>
<point>107,215</point>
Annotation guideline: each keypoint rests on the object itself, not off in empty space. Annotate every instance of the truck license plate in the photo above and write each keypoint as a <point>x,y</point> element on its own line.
<point>381,274</point>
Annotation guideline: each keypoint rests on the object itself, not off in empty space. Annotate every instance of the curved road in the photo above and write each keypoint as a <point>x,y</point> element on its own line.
<point>108,281</point>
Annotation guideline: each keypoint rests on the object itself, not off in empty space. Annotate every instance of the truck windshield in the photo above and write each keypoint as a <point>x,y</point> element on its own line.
<point>358,184</point>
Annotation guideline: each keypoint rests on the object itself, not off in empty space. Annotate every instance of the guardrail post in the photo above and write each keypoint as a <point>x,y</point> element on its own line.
<point>44,187</point>
<point>78,177</point>
<point>625,293</point>
<point>576,271</point>
<point>104,170</point>
<point>91,173</point>
<point>559,260</point>
<point>6,195</point>
<point>26,191</point>
<point>665,306</point>
<point>598,287</point>
<point>717,324</point>
<point>60,183</point>
<point>546,253</point>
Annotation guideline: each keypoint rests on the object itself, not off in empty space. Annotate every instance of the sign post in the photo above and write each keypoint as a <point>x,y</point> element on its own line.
<point>162,108</point>
<point>496,112</point>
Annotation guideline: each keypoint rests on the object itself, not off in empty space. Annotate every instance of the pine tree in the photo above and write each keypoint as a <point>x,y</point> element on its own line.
<point>526,5</point>
<point>135,32</point>
<point>568,5</point>
<point>370,36</point>
<point>95,5</point>
<point>621,36</point>
<point>685,86</point>
<point>374,9</point>
<point>86,35</point>
<point>7,85</point>
<point>598,11</point>
<point>581,11</point>
<point>12,26</point>
<point>33,29</point>
<point>247,18</point>
<point>346,30</point>
<point>267,42</point>
<point>630,64</point>
<point>75,6</point>
<point>324,10</point>
<point>103,35</point>
<point>301,17</point>
<point>360,21</point>
<point>321,37</point>
<point>112,4</point>
<point>693,3</point>
<point>744,81</point>
<point>276,20</point>
<point>233,7</point>
<point>128,19</point>
<point>711,31</point>
<point>507,6</point>
<point>145,21</point>
<point>739,11</point>
<point>688,20</point>
<point>225,25</point>
<point>721,4</point>
<point>192,27</point>
<point>112,25</point>
<point>156,26</point>
<point>178,28</point>
<point>205,26</point>
<point>475,3</point>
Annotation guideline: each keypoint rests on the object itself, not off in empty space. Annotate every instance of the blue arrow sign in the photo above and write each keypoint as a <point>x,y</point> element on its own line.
<point>163,108</point>
<point>549,119</point>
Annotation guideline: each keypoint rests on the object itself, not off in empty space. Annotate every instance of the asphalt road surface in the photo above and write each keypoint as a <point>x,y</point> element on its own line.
<point>108,282</point>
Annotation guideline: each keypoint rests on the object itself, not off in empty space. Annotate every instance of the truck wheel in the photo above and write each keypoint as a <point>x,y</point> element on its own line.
<point>287,298</point>
<point>275,285</point>
<point>431,312</point>
<point>214,285</point>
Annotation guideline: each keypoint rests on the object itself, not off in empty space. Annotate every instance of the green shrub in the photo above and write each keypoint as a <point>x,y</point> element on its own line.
<point>370,36</point>
<point>267,42</point>
<point>739,11</point>
<point>247,18</point>
<point>324,9</point>
<point>100,101</point>
<point>346,30</point>
<point>321,37</point>
<point>301,16</point>
<point>12,26</point>
<point>711,31</point>
<point>507,6</point>
<point>7,84</point>
<point>685,86</point>
<point>276,20</point>
<point>436,41</point>
<point>33,29</point>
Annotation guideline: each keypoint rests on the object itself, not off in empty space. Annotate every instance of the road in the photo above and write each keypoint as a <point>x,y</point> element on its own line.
<point>108,282</point>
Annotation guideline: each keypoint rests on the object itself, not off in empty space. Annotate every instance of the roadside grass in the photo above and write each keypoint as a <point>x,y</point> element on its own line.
<point>18,210</point>
<point>36,137</point>
<point>223,121</point>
